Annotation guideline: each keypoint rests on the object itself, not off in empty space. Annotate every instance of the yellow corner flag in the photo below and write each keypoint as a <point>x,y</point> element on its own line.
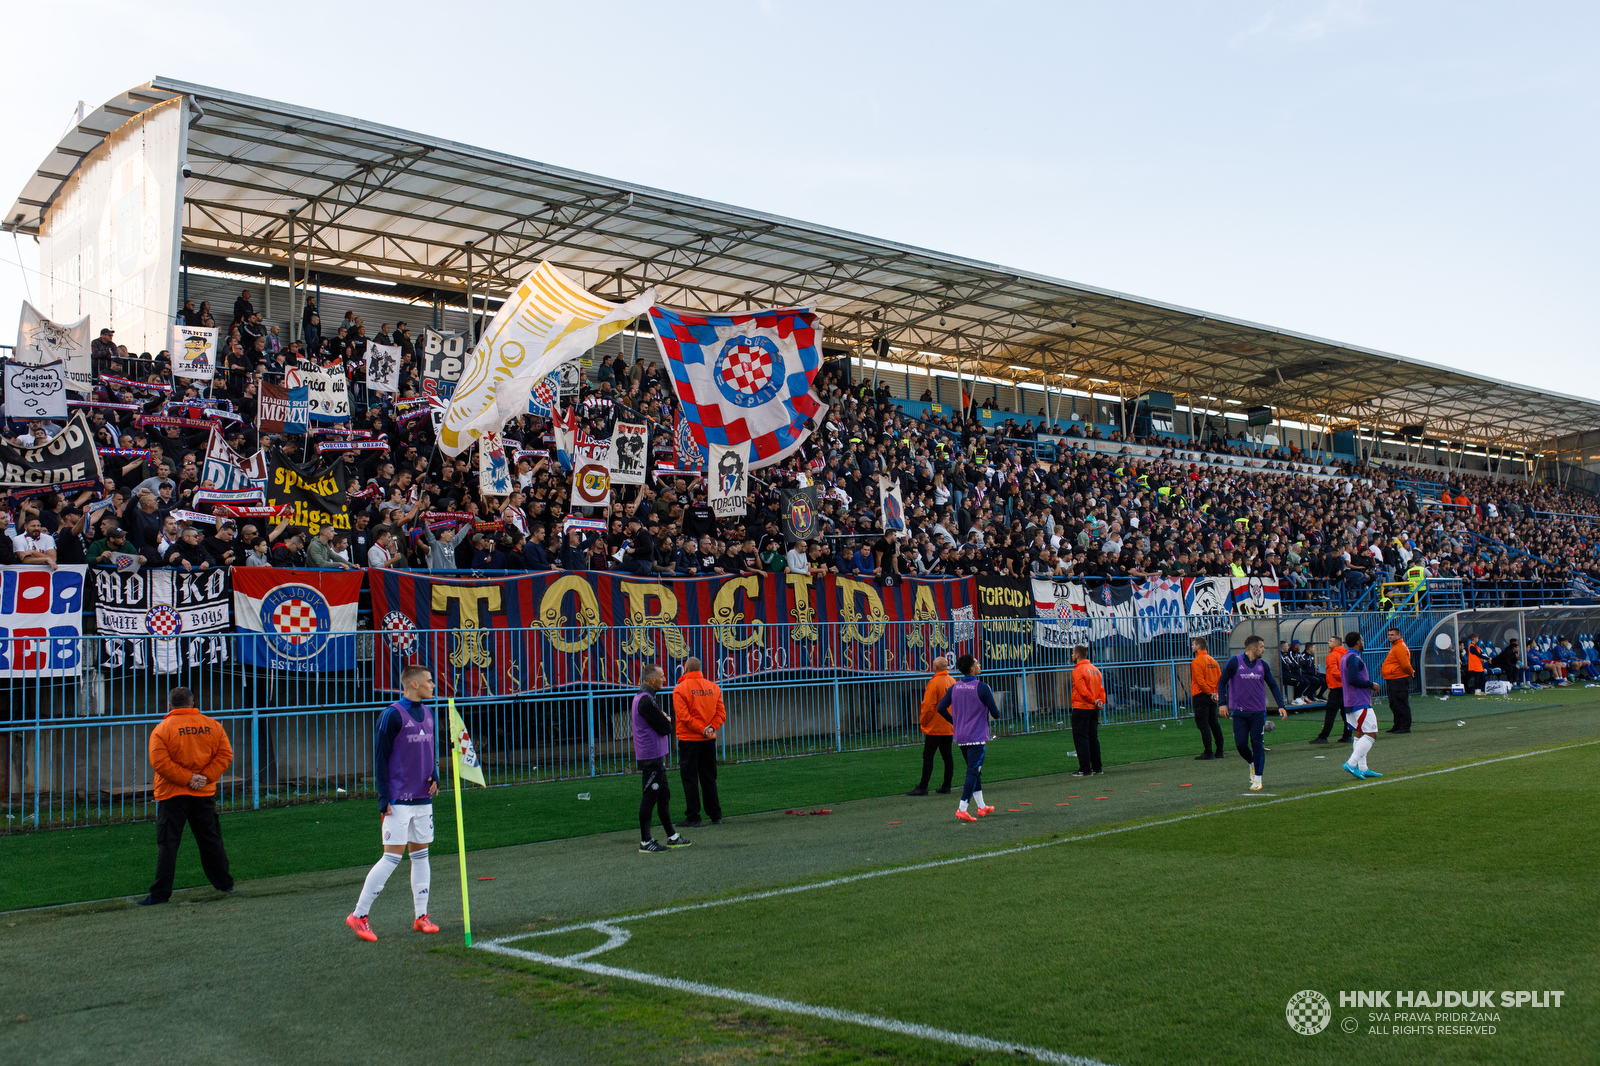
<point>463,763</point>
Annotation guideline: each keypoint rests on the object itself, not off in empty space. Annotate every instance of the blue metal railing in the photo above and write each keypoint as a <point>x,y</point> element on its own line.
<point>73,750</point>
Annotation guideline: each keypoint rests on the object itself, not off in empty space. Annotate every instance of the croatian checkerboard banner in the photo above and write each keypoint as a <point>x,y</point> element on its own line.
<point>164,620</point>
<point>745,379</point>
<point>302,619</point>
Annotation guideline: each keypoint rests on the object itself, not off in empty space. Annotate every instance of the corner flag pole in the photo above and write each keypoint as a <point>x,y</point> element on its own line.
<point>461,839</point>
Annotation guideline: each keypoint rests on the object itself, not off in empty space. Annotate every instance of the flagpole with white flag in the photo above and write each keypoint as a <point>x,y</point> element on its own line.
<point>548,320</point>
<point>461,742</point>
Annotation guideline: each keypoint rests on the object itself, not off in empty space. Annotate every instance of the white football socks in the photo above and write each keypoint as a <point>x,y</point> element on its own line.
<point>977,797</point>
<point>1358,751</point>
<point>962,806</point>
<point>419,881</point>
<point>377,877</point>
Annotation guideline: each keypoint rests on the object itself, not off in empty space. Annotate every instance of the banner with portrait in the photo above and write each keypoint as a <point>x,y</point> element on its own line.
<point>728,485</point>
<point>630,453</point>
<point>41,342</point>
<point>194,352</point>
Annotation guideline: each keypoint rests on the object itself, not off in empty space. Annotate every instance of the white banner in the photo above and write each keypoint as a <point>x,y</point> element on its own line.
<point>108,242</point>
<point>591,474</point>
<point>227,471</point>
<point>36,391</point>
<point>41,342</point>
<point>1159,604</point>
<point>892,509</point>
<point>194,352</point>
<point>383,367</point>
<point>494,472</point>
<point>327,395</point>
<point>548,320</point>
<point>728,483</point>
<point>629,453</point>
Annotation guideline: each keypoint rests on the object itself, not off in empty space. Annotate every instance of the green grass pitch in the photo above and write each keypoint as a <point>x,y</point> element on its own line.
<point>1168,922</point>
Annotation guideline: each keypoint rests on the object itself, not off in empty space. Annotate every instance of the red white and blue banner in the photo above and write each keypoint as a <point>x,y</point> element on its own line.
<point>302,619</point>
<point>41,619</point>
<point>526,634</point>
<point>1074,611</point>
<point>744,379</point>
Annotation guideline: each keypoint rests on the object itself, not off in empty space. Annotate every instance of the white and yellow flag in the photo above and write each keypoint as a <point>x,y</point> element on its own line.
<point>466,755</point>
<point>549,319</point>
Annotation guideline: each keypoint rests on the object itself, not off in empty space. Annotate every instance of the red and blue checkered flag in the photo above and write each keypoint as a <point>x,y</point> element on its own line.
<point>690,455</point>
<point>744,379</point>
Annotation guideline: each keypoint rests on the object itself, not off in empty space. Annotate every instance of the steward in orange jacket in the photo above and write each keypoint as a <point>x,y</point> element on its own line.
<point>188,752</point>
<point>937,730</point>
<point>697,705</point>
<point>1204,673</point>
<point>1397,674</point>
<point>698,711</point>
<point>1088,696</point>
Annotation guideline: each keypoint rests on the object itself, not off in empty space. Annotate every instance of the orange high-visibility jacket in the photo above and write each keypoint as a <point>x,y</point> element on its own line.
<point>1398,662</point>
<point>1331,667</point>
<point>1204,673</point>
<point>935,724</point>
<point>1086,687</point>
<point>186,743</point>
<point>696,704</point>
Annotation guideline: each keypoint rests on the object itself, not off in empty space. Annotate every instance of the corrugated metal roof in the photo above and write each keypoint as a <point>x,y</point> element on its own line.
<point>370,199</point>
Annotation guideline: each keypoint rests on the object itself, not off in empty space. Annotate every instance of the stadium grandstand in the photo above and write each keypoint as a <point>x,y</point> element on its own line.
<point>1035,430</point>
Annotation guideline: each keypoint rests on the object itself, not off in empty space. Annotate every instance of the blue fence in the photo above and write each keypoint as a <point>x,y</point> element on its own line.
<point>75,750</point>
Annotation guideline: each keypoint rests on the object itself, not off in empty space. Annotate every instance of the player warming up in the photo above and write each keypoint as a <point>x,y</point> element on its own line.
<point>1244,685</point>
<point>1358,714</point>
<point>408,779</point>
<point>969,705</point>
<point>652,736</point>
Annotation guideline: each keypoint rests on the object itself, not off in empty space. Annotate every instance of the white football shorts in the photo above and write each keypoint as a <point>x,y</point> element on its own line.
<point>1362,720</point>
<point>408,823</point>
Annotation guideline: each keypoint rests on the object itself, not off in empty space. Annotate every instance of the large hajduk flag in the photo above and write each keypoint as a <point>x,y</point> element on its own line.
<point>301,620</point>
<point>745,379</point>
<point>41,342</point>
<point>548,320</point>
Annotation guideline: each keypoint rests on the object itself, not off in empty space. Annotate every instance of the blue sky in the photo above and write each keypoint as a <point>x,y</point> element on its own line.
<point>1411,176</point>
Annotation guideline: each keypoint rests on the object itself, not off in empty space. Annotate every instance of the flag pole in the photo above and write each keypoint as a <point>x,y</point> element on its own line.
<point>461,840</point>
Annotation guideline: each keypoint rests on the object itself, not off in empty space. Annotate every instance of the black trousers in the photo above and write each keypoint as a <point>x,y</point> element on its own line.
<point>201,814</point>
<point>1205,717</point>
<point>1475,680</point>
<point>656,795</point>
<point>697,766</point>
<point>1400,704</point>
<point>941,745</point>
<point>1334,710</point>
<point>1086,738</point>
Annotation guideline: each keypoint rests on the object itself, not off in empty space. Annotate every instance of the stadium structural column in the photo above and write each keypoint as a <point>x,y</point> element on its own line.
<point>255,755</point>
<point>838,735</point>
<point>1025,700</point>
<point>471,342</point>
<point>593,771</point>
<point>294,320</point>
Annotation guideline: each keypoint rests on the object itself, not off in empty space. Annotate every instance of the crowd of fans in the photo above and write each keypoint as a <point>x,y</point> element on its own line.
<point>976,500</point>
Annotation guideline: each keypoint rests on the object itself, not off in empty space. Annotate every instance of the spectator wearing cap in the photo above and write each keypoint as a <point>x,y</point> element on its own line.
<point>104,348</point>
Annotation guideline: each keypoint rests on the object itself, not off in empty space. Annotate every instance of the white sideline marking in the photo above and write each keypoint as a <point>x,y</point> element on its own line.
<point>787,1006</point>
<point>617,936</point>
<point>1019,848</point>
